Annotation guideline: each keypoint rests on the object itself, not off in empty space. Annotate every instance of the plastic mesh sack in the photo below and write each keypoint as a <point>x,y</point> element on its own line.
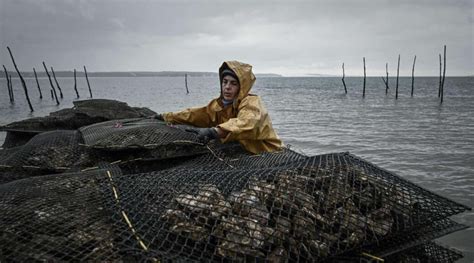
<point>409,239</point>
<point>231,156</point>
<point>145,139</point>
<point>45,153</point>
<point>133,133</point>
<point>305,211</point>
<point>84,112</point>
<point>56,218</point>
<point>429,252</point>
<point>402,241</point>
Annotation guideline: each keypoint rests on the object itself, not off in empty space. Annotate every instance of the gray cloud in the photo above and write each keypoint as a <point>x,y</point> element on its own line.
<point>288,37</point>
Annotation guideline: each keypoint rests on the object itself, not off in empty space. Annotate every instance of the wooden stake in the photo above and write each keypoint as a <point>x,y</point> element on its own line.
<point>57,84</point>
<point>440,76</point>
<point>23,83</point>
<point>398,74</point>
<point>85,72</point>
<point>51,83</point>
<point>413,76</point>
<point>37,84</point>
<point>11,87</point>
<point>444,74</point>
<point>386,82</point>
<point>75,84</point>
<point>363,91</point>
<point>8,83</point>
<point>52,95</point>
<point>343,76</point>
<point>186,83</point>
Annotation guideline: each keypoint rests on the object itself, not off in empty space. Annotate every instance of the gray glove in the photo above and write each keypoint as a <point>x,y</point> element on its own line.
<point>157,117</point>
<point>204,135</point>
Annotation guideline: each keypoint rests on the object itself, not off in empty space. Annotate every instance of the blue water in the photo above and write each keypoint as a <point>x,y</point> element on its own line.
<point>415,137</point>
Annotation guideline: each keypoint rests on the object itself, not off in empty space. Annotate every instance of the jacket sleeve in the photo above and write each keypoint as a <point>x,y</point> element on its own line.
<point>250,119</point>
<point>198,117</point>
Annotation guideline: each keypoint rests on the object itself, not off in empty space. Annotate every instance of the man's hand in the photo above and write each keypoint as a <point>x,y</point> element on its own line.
<point>204,135</point>
<point>156,117</point>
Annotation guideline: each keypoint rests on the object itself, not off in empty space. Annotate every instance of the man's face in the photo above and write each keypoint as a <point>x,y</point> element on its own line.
<point>230,87</point>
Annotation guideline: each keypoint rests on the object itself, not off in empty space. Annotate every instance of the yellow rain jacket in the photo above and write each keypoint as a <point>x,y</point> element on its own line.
<point>246,120</point>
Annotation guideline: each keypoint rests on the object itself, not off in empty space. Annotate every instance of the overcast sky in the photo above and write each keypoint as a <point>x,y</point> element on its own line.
<point>284,37</point>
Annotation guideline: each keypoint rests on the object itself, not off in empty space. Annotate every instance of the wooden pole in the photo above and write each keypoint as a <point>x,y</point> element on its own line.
<point>8,83</point>
<point>52,95</point>
<point>37,84</point>
<point>23,83</point>
<point>75,84</point>
<point>57,84</point>
<point>85,72</point>
<point>444,74</point>
<point>186,83</point>
<point>386,82</point>
<point>11,87</point>
<point>343,76</point>
<point>440,76</point>
<point>413,76</point>
<point>398,74</point>
<point>51,83</point>
<point>363,91</point>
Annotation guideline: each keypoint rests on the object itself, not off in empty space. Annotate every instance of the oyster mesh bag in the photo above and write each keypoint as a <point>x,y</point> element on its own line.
<point>306,210</point>
<point>232,156</point>
<point>56,218</point>
<point>395,245</point>
<point>45,153</point>
<point>133,133</point>
<point>428,252</point>
<point>84,112</point>
<point>146,139</point>
<point>276,206</point>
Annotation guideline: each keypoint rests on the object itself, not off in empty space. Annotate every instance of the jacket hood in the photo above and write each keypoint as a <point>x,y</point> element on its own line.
<point>243,72</point>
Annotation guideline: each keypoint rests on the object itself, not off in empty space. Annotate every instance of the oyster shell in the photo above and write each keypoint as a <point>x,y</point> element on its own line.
<point>380,221</point>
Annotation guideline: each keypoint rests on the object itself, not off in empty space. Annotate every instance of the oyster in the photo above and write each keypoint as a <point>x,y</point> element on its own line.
<point>240,237</point>
<point>244,202</point>
<point>278,255</point>
<point>190,230</point>
<point>262,188</point>
<point>209,199</point>
<point>351,223</point>
<point>174,216</point>
<point>380,221</point>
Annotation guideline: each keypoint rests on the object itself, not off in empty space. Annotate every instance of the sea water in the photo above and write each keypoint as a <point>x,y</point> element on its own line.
<point>417,138</point>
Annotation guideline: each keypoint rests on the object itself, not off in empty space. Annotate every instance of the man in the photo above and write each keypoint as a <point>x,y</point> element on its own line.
<point>235,115</point>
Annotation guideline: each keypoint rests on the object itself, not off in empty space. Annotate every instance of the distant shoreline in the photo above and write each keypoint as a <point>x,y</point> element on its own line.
<point>70,74</point>
<point>80,74</point>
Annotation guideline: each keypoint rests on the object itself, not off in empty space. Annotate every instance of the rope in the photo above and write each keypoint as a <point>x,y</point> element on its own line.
<point>377,259</point>
<point>124,214</point>
<point>218,158</point>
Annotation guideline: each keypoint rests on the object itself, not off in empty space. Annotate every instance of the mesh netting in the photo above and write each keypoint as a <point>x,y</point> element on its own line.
<point>233,156</point>
<point>56,218</point>
<point>48,152</point>
<point>409,239</point>
<point>393,245</point>
<point>83,113</point>
<point>429,252</point>
<point>146,139</point>
<point>133,133</point>
<point>308,210</point>
<point>280,206</point>
<point>14,139</point>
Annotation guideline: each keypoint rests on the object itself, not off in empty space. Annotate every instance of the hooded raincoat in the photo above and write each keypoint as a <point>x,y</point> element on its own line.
<point>246,120</point>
